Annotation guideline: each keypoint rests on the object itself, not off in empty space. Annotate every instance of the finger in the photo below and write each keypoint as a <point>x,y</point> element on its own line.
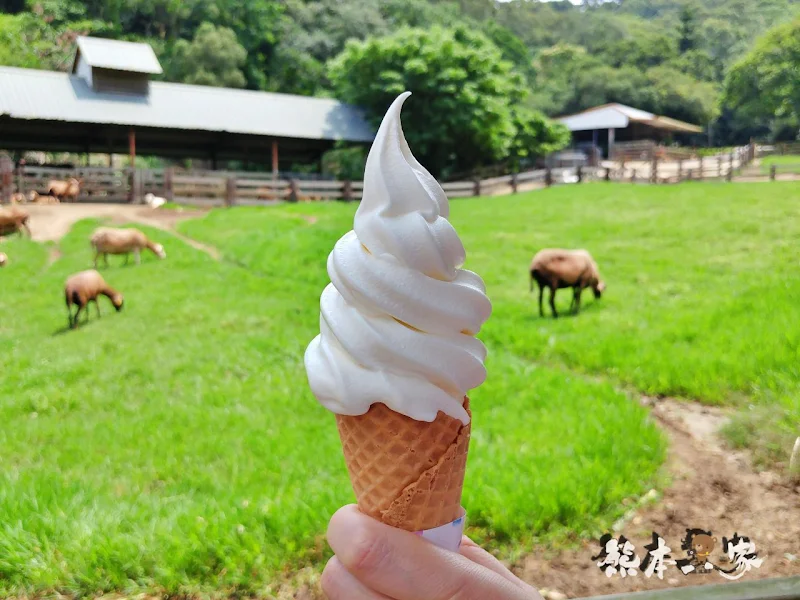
<point>339,584</point>
<point>404,566</point>
<point>476,554</point>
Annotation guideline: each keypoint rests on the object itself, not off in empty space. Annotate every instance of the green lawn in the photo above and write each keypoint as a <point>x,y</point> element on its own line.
<point>784,163</point>
<point>175,446</point>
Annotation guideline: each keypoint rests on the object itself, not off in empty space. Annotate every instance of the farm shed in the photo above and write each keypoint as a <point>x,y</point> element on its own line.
<point>108,104</point>
<point>603,126</point>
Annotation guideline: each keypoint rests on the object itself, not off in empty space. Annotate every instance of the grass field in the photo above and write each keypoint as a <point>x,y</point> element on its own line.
<point>175,446</point>
<point>784,163</point>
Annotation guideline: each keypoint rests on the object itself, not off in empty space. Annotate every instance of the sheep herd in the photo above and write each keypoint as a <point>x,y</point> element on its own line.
<point>550,268</point>
<point>82,288</point>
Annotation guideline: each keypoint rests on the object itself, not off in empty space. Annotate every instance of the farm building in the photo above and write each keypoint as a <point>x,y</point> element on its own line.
<point>108,104</point>
<point>606,125</point>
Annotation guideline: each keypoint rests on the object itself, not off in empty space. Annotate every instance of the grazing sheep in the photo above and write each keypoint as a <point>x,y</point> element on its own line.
<point>85,287</point>
<point>555,269</point>
<point>108,240</point>
<point>3,259</point>
<point>65,190</point>
<point>35,198</point>
<point>154,201</point>
<point>14,219</point>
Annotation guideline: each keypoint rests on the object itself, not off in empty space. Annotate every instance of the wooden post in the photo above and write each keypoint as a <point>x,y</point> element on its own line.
<point>772,171</point>
<point>700,177</point>
<point>579,173</point>
<point>6,177</point>
<point>514,183</point>
<point>132,147</point>
<point>274,160</point>
<point>633,175</point>
<point>169,174</point>
<point>731,158</point>
<point>347,191</point>
<point>608,174</point>
<point>719,166</point>
<point>135,183</point>
<point>611,144</point>
<point>230,191</point>
<point>476,189</point>
<point>680,170</point>
<point>294,191</point>
<point>548,177</point>
<point>20,172</point>
<point>689,175</point>
<point>654,170</point>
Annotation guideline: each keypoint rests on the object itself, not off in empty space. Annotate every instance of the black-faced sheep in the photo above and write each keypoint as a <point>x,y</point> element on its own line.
<point>555,269</point>
<point>109,240</point>
<point>85,287</point>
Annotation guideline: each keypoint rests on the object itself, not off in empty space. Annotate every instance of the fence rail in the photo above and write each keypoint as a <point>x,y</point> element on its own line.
<point>228,188</point>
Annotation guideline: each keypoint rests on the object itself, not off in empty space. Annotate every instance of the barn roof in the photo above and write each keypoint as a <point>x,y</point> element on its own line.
<point>118,55</point>
<point>619,116</point>
<point>28,94</point>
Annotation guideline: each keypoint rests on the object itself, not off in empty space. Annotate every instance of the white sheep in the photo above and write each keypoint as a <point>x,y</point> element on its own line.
<point>555,269</point>
<point>154,201</point>
<point>85,287</point>
<point>3,259</point>
<point>109,240</point>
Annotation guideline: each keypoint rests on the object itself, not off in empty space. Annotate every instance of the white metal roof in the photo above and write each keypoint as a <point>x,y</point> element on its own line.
<point>114,54</point>
<point>53,96</point>
<point>619,116</point>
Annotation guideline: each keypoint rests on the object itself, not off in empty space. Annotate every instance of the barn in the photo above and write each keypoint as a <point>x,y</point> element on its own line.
<point>109,103</point>
<point>615,125</point>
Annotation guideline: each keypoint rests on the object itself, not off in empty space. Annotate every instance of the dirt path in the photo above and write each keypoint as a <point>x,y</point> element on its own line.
<point>712,488</point>
<point>52,222</point>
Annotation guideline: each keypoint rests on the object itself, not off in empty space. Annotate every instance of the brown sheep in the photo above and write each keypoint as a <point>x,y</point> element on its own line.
<point>109,240</point>
<point>556,269</point>
<point>65,190</point>
<point>14,219</point>
<point>35,198</point>
<point>85,287</point>
<point>18,198</point>
<point>3,259</point>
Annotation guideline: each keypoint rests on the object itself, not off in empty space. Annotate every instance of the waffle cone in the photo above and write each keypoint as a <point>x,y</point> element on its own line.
<point>406,473</point>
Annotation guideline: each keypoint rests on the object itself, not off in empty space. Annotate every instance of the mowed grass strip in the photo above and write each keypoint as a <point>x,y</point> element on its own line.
<point>175,447</point>
<point>784,163</point>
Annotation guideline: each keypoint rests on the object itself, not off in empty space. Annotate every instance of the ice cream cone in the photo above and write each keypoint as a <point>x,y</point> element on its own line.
<point>406,473</point>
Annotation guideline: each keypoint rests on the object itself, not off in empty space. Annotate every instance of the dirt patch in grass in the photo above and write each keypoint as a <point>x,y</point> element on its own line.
<point>52,222</point>
<point>712,488</point>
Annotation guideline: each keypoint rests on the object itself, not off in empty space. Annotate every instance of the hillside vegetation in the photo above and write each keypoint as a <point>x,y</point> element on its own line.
<point>672,57</point>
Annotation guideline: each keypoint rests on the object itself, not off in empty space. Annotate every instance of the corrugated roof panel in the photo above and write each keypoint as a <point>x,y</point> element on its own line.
<point>606,117</point>
<point>634,114</point>
<point>52,96</point>
<point>118,55</point>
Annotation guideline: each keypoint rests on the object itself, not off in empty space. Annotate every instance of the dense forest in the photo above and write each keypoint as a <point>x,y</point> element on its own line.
<point>484,72</point>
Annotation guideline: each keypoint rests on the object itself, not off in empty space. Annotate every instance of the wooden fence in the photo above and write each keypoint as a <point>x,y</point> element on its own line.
<point>229,188</point>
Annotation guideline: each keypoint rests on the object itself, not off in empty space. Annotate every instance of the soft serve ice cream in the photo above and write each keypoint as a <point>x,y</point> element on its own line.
<point>399,318</point>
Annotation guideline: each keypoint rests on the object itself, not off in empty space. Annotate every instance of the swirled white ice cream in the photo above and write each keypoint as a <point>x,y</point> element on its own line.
<point>399,318</point>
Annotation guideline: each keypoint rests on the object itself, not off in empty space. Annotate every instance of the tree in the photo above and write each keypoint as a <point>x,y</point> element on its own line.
<point>764,86</point>
<point>213,57</point>
<point>536,135</point>
<point>687,31</point>
<point>460,115</point>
